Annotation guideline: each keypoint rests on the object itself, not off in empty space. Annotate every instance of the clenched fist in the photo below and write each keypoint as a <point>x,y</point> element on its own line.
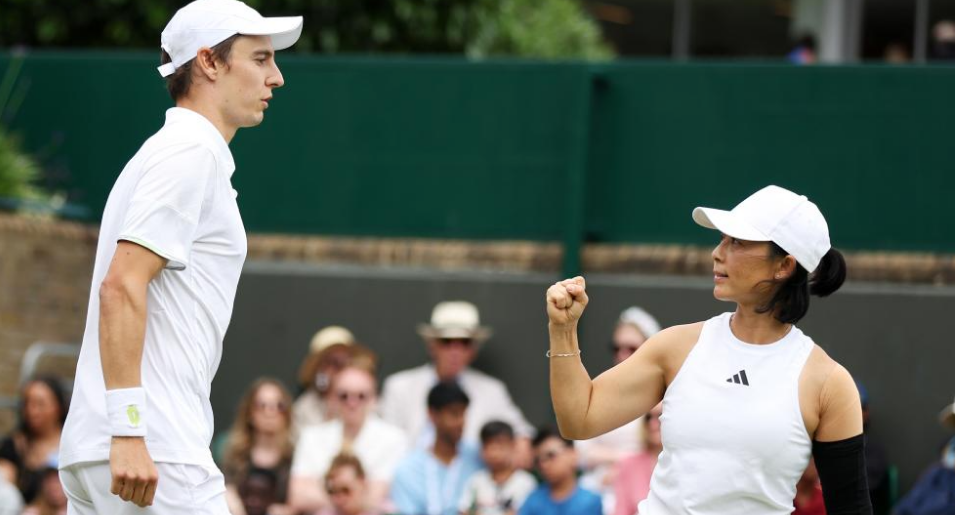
<point>566,301</point>
<point>134,473</point>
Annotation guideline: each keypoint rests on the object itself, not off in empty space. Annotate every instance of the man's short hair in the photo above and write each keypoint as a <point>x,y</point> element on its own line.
<point>495,429</point>
<point>545,433</point>
<point>445,394</point>
<point>180,81</point>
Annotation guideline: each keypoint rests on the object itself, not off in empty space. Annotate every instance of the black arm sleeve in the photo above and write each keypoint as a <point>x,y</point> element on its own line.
<point>841,467</point>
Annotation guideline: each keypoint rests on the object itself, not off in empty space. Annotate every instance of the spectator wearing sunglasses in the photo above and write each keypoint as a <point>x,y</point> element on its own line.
<point>346,487</point>
<point>453,337</point>
<point>600,456</point>
<point>560,493</point>
<point>260,438</point>
<point>357,431</point>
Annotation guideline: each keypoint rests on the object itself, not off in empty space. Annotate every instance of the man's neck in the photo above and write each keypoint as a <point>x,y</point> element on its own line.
<point>501,476</point>
<point>563,489</point>
<point>445,450</point>
<point>207,112</point>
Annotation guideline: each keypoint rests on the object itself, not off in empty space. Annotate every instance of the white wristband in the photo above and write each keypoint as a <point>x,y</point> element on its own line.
<point>126,409</point>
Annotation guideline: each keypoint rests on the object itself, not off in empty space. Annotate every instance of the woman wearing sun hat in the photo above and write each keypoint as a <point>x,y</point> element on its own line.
<point>747,397</point>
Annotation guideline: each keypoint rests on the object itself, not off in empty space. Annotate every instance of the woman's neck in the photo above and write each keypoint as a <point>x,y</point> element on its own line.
<point>267,440</point>
<point>350,430</point>
<point>757,328</point>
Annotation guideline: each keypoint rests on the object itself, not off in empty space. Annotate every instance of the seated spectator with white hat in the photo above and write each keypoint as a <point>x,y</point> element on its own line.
<point>453,338</point>
<point>331,350</point>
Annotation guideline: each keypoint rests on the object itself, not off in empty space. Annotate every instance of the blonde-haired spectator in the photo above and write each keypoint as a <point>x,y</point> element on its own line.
<point>358,431</point>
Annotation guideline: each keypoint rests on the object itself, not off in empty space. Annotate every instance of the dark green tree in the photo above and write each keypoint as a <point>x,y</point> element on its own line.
<point>477,28</point>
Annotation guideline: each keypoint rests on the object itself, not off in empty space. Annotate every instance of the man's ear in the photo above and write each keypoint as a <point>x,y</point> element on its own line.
<point>206,64</point>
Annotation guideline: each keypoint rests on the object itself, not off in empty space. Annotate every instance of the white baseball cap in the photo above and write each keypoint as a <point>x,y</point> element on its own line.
<point>778,215</point>
<point>206,23</point>
<point>331,335</point>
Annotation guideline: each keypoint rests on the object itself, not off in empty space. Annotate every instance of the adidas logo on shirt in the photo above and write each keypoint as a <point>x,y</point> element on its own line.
<point>739,378</point>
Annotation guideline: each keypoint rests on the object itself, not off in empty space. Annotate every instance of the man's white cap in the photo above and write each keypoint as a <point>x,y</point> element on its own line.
<point>206,23</point>
<point>455,319</point>
<point>778,215</point>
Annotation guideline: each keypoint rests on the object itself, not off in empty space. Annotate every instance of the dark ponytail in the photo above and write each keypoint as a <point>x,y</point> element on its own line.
<point>829,275</point>
<point>790,303</point>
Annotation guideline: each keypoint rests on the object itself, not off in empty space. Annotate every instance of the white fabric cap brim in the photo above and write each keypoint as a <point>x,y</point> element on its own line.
<point>727,223</point>
<point>284,30</point>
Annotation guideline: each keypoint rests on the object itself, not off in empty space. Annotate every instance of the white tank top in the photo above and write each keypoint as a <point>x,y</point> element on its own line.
<point>734,440</point>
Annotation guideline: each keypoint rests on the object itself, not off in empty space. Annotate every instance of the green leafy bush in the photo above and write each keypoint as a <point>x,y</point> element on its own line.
<point>478,28</point>
<point>18,172</point>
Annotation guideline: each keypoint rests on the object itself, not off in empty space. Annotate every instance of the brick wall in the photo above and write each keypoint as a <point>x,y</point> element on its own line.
<point>45,270</point>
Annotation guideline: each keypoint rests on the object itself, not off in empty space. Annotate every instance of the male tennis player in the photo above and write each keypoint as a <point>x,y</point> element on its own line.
<point>171,248</point>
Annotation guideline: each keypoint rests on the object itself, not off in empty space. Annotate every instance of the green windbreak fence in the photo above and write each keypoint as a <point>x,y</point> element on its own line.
<point>444,148</point>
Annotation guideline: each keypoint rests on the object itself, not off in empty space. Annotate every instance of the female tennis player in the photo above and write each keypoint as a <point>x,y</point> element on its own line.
<point>747,397</point>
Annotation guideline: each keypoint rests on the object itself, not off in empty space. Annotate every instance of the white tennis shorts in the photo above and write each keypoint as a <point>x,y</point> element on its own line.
<point>182,490</point>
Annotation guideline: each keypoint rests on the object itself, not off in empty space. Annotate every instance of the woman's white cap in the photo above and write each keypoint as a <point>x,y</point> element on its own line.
<point>640,319</point>
<point>206,23</point>
<point>778,215</point>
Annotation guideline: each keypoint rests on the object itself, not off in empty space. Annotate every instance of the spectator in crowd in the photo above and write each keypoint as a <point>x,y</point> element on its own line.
<point>358,431</point>
<point>346,487</point>
<point>934,492</point>
<point>632,479</point>
<point>560,494</point>
<point>897,52</point>
<point>501,488</point>
<point>876,463</point>
<point>599,456</point>
<point>804,52</point>
<point>11,502</point>
<point>453,338</point>
<point>50,499</point>
<point>809,499</point>
<point>260,438</point>
<point>430,481</point>
<point>24,455</point>
<point>328,352</point>
<point>257,491</point>
<point>943,40</point>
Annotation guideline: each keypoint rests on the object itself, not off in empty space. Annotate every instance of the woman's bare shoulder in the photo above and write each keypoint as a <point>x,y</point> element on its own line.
<point>672,345</point>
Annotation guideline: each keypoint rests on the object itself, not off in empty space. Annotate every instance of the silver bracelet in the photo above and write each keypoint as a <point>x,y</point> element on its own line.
<point>551,354</point>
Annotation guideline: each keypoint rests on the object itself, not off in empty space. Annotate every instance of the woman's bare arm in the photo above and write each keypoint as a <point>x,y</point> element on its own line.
<point>587,408</point>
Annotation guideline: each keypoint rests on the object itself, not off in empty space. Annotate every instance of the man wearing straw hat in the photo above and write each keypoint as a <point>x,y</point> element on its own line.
<point>453,338</point>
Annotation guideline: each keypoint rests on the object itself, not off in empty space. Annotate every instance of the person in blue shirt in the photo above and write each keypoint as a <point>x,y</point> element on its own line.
<point>559,494</point>
<point>430,481</point>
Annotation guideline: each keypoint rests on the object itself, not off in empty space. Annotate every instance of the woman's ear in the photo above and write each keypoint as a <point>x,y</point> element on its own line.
<point>785,268</point>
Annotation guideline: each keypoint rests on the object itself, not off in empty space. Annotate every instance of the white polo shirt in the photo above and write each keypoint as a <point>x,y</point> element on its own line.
<point>175,198</point>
